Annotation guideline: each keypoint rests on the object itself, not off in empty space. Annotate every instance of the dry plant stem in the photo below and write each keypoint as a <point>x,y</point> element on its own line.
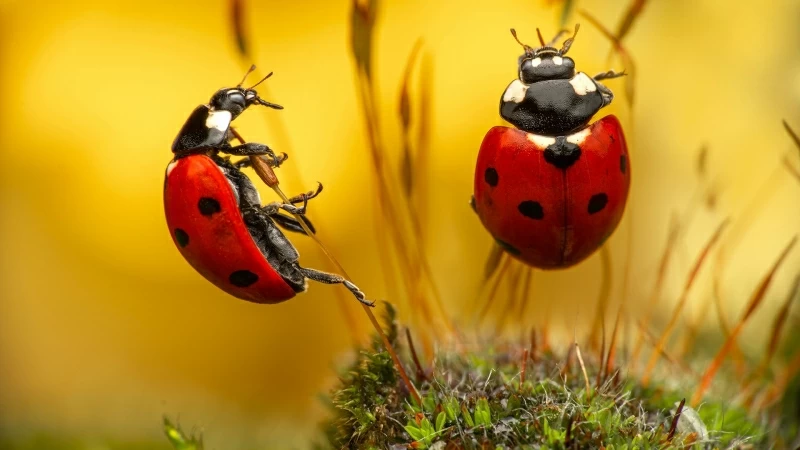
<point>524,366</point>
<point>514,292</point>
<point>388,345</point>
<point>268,176</point>
<point>655,295</point>
<point>492,292</point>
<point>612,347</point>
<point>525,298</point>
<point>674,426</point>
<point>387,203</point>
<point>755,300</point>
<point>583,369</point>
<point>679,363</point>
<point>792,169</point>
<point>603,297</point>
<point>738,231</point>
<point>421,375</point>
<point>772,346</point>
<point>630,67</point>
<point>662,342</point>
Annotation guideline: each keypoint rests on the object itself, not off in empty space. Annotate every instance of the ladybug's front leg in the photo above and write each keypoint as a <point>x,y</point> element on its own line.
<point>254,149</point>
<point>247,162</point>
<point>608,96</point>
<point>331,278</point>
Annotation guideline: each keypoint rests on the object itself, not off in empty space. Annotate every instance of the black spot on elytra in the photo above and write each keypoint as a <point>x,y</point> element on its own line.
<point>597,203</point>
<point>531,209</point>
<point>243,278</point>
<point>208,206</point>
<point>507,247</point>
<point>623,163</point>
<point>181,237</point>
<point>491,176</point>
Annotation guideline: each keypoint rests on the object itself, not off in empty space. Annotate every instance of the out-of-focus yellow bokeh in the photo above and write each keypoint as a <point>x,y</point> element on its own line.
<point>104,327</point>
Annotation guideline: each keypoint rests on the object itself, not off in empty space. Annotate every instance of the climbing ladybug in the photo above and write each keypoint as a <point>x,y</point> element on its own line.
<point>553,189</point>
<point>214,212</point>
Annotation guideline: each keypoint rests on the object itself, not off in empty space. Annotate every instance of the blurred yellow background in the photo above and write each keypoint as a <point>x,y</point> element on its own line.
<point>104,327</point>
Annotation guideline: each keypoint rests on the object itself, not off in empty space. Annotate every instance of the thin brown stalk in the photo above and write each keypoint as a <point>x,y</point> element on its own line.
<point>633,12</point>
<point>583,369</point>
<point>674,426</point>
<point>421,375</point>
<point>603,297</point>
<point>353,326</point>
<point>568,364</point>
<point>386,343</point>
<point>662,342</point>
<point>630,67</point>
<point>524,366</point>
<point>677,362</point>
<point>525,296</point>
<point>238,25</point>
<point>755,301</point>
<point>612,347</point>
<point>493,291</point>
<point>492,261</point>
<point>791,168</point>
<point>778,323</point>
<point>514,294</point>
<point>661,275</point>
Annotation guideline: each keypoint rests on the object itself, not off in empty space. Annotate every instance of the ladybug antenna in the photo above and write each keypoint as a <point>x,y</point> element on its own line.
<point>262,80</point>
<point>568,43</point>
<point>541,39</point>
<point>528,49</point>
<point>249,71</point>
<point>556,38</point>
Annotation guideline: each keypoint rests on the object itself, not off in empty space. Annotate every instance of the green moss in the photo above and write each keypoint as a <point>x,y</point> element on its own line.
<point>476,400</point>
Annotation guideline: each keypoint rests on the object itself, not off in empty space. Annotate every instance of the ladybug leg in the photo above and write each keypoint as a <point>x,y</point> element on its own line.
<point>608,75</point>
<point>304,198</point>
<point>254,149</point>
<point>272,208</point>
<point>330,278</point>
<point>242,163</point>
<point>472,204</point>
<point>606,93</point>
<point>291,224</point>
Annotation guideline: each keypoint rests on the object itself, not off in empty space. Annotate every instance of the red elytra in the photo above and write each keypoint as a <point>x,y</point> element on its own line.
<point>217,244</point>
<point>544,215</point>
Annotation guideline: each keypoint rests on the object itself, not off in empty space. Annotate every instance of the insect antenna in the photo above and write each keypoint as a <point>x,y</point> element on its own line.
<point>249,71</point>
<point>262,80</point>
<point>527,48</point>
<point>568,43</point>
<point>556,38</point>
<point>541,39</point>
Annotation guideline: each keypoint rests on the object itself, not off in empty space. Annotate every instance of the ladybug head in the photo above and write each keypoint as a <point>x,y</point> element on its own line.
<point>237,99</point>
<point>546,62</point>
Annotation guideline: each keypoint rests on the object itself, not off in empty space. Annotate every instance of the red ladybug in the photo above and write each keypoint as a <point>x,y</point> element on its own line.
<point>553,189</point>
<point>214,212</point>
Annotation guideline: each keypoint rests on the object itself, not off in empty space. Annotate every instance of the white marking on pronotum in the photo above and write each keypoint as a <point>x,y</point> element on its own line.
<point>536,61</point>
<point>171,166</point>
<point>579,137</point>
<point>541,141</point>
<point>557,60</point>
<point>515,92</point>
<point>219,120</point>
<point>582,84</point>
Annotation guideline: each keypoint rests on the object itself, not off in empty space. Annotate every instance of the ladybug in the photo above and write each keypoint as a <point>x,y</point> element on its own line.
<point>553,189</point>
<point>215,215</point>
